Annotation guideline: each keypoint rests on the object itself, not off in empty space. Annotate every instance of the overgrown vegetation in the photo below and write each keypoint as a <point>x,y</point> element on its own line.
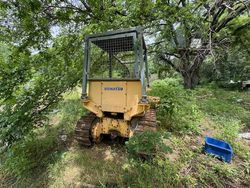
<point>31,156</point>
<point>177,110</point>
<point>55,163</point>
<point>41,55</point>
<point>41,47</point>
<point>220,103</point>
<point>32,86</point>
<point>148,145</point>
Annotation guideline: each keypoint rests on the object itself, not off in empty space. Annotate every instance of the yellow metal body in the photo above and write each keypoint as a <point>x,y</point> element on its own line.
<point>110,125</point>
<point>114,96</point>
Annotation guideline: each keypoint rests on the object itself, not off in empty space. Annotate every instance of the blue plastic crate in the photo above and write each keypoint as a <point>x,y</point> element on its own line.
<point>219,148</point>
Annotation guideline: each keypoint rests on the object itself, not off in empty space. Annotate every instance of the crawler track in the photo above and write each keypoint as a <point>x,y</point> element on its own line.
<point>84,126</point>
<point>147,122</point>
<point>83,129</point>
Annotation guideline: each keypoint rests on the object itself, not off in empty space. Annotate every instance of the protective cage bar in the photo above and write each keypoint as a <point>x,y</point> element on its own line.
<point>115,55</point>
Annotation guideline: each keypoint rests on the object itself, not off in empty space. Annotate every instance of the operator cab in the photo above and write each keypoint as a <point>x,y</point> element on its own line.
<point>116,56</point>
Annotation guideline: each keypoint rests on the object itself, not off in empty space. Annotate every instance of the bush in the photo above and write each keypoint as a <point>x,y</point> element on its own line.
<point>177,110</point>
<point>147,145</point>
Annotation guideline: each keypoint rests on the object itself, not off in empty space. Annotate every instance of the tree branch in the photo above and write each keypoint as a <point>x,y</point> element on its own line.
<point>163,58</point>
<point>86,5</point>
<point>230,17</point>
<point>216,17</point>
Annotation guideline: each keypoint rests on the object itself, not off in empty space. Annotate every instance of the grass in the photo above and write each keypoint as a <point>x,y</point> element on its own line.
<point>219,103</point>
<point>87,166</point>
<point>42,160</point>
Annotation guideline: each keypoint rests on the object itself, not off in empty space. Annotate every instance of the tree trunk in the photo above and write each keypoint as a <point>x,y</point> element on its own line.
<point>191,79</point>
<point>190,73</point>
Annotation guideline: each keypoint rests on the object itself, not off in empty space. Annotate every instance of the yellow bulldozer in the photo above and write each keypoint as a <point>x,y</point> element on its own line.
<point>115,78</point>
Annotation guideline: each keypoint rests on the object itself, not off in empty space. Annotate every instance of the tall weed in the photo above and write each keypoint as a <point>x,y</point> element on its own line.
<point>177,110</point>
<point>29,154</point>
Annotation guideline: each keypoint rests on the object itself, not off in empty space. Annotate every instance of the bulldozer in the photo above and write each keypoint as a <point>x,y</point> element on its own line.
<point>115,80</point>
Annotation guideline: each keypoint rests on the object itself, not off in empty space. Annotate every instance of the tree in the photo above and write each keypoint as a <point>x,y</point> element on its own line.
<point>232,61</point>
<point>32,84</point>
<point>29,23</point>
<point>40,66</point>
<point>189,31</point>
